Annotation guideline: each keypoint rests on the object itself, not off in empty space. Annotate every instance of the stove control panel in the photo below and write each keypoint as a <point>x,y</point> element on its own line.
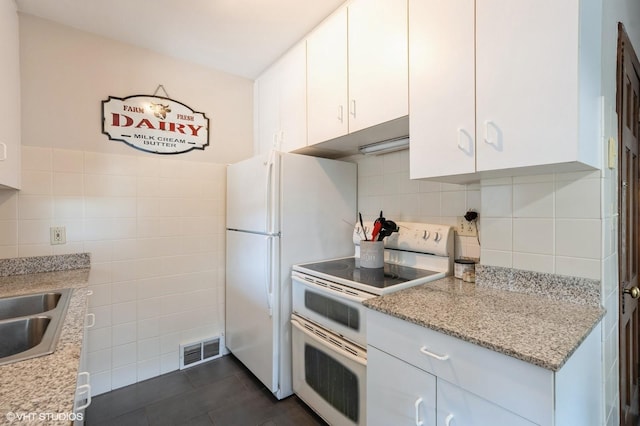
<point>412,236</point>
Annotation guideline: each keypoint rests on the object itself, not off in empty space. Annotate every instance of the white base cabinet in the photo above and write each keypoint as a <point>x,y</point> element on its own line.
<point>83,384</point>
<point>414,396</point>
<point>415,374</point>
<point>398,393</point>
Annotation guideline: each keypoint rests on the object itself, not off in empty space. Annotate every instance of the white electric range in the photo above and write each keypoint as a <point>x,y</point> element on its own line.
<point>329,320</point>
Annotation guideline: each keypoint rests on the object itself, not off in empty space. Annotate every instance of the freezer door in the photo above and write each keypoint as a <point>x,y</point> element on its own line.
<point>252,188</point>
<point>252,334</point>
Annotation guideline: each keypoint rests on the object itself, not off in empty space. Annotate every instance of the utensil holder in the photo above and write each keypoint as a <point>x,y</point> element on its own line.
<point>371,254</point>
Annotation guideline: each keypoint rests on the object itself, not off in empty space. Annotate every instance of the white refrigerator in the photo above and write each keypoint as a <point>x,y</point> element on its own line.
<point>282,209</point>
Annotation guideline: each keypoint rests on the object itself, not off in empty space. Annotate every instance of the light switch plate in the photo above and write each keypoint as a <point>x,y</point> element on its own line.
<point>58,235</point>
<point>612,159</point>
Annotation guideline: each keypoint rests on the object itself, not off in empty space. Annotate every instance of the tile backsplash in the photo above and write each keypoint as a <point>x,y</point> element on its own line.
<point>545,223</point>
<point>384,184</point>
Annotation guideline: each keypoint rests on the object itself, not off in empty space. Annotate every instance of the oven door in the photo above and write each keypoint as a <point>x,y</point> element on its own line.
<point>333,306</point>
<point>329,374</point>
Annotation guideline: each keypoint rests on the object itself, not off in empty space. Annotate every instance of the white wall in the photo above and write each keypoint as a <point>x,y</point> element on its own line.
<point>67,73</point>
<point>153,224</point>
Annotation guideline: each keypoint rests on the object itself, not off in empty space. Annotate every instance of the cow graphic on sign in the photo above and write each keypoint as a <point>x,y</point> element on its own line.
<point>154,124</point>
<point>160,110</point>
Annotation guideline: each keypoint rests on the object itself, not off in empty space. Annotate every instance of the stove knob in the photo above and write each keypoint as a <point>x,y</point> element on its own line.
<point>437,237</point>
<point>426,235</point>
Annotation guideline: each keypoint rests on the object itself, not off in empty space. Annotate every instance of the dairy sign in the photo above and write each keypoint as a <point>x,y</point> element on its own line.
<point>154,124</point>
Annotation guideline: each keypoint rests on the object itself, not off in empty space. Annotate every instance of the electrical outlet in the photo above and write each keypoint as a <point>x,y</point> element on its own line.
<point>466,228</point>
<point>58,235</point>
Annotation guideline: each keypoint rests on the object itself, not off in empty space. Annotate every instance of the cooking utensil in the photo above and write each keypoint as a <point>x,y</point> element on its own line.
<point>388,228</point>
<point>362,226</point>
<point>377,226</point>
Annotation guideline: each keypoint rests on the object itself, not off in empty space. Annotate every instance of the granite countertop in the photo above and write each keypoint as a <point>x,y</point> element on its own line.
<point>530,327</point>
<point>46,385</point>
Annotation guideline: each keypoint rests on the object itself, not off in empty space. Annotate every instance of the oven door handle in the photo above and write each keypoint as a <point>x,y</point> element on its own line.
<point>324,343</point>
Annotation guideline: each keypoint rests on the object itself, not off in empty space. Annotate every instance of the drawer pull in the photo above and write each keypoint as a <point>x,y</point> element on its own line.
<point>92,320</point>
<point>432,355</point>
<point>82,389</point>
<point>417,405</point>
<point>447,421</point>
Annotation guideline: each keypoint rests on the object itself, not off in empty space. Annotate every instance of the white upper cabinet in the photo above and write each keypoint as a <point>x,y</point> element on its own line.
<point>536,65</point>
<point>10,90</point>
<point>378,62</point>
<point>327,95</point>
<point>357,69</point>
<point>442,83</point>
<point>280,103</point>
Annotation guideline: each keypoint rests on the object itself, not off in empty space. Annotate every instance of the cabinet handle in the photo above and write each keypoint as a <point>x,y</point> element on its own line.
<point>340,113</point>
<point>417,405</point>
<point>447,421</point>
<point>88,390</point>
<point>460,146</point>
<point>92,317</point>
<point>4,151</point>
<point>85,374</point>
<point>432,355</point>
<point>465,142</point>
<point>353,108</point>
<point>487,140</point>
<point>486,132</point>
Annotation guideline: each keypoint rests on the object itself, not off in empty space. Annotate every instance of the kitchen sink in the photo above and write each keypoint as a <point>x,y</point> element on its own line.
<point>21,306</point>
<point>30,325</point>
<point>20,335</point>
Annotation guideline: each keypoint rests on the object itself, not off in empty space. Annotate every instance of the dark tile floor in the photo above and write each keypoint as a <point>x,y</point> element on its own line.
<point>221,392</point>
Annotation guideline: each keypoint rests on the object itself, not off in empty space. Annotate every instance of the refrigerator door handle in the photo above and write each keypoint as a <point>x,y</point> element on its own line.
<point>268,192</point>
<point>269,278</point>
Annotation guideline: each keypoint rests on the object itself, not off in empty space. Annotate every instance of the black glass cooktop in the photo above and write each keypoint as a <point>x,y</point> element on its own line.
<point>349,269</point>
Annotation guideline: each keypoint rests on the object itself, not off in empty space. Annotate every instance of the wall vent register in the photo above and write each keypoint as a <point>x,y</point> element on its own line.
<point>192,354</point>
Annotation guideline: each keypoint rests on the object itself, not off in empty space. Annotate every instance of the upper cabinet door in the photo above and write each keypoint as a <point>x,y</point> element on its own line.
<point>327,107</point>
<point>378,62</point>
<point>442,83</point>
<point>293,99</point>
<point>10,90</point>
<point>280,104</point>
<point>527,82</point>
<point>267,111</point>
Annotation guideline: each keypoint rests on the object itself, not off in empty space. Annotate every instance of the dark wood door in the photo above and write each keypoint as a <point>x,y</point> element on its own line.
<point>628,108</point>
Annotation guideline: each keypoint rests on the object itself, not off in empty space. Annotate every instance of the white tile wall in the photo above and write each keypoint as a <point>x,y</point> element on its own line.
<point>384,184</point>
<point>155,229</point>
<point>545,223</point>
